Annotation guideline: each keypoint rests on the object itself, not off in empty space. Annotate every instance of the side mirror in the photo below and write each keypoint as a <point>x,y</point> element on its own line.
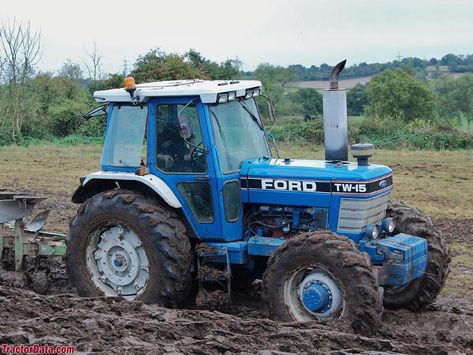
<point>96,111</point>
<point>270,136</point>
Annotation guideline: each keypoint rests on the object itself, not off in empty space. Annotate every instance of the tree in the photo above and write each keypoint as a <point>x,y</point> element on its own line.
<point>308,101</point>
<point>455,99</point>
<point>94,66</point>
<point>357,99</point>
<point>20,51</point>
<point>229,69</point>
<point>71,70</point>
<point>158,65</point>
<point>398,95</point>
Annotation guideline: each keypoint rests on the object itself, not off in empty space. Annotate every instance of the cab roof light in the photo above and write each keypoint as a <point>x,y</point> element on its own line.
<point>222,98</point>
<point>231,95</point>
<point>252,93</point>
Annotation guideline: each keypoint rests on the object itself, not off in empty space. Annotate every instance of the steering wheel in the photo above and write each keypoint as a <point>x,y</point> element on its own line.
<point>198,157</point>
<point>199,148</point>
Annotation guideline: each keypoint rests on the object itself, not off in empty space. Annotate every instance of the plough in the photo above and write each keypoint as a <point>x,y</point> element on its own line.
<point>18,238</point>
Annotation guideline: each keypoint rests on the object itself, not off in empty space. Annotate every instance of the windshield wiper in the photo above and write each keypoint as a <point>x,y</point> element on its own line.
<point>252,115</point>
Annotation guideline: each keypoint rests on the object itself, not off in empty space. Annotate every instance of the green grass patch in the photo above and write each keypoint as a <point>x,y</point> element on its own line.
<point>67,141</point>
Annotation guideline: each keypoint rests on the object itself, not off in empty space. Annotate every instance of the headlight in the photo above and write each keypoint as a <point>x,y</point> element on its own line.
<point>388,225</point>
<point>372,231</point>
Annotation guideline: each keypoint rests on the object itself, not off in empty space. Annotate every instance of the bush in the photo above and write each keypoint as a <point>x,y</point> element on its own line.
<point>418,139</point>
<point>415,135</point>
<point>296,129</point>
<point>65,118</point>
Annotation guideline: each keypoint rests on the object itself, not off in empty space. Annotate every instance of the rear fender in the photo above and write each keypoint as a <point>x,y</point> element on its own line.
<point>100,181</point>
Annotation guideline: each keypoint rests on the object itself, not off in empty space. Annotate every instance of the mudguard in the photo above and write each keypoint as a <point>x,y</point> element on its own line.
<point>89,185</point>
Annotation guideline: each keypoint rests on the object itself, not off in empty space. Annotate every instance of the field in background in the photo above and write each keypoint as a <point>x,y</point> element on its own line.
<point>437,182</point>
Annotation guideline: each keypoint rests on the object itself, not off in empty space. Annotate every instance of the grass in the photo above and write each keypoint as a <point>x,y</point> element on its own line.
<point>49,168</point>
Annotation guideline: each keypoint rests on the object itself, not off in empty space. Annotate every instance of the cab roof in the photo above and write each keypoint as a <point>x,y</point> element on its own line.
<point>206,89</point>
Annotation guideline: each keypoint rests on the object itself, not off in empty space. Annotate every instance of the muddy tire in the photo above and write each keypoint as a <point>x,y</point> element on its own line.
<point>335,260</point>
<point>422,291</point>
<point>141,243</point>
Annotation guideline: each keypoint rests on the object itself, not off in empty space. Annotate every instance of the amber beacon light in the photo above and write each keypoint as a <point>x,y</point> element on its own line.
<point>130,84</point>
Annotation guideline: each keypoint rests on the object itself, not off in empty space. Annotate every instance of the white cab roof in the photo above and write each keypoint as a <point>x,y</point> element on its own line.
<point>206,89</point>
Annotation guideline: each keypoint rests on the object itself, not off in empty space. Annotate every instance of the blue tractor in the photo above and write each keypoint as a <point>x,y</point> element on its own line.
<point>189,191</point>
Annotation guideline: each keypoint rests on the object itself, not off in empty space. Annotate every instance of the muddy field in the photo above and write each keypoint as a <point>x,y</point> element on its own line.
<point>214,327</point>
<point>239,326</point>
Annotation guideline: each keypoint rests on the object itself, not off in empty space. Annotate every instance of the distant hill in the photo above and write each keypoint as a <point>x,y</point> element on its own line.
<point>324,84</point>
<point>351,83</point>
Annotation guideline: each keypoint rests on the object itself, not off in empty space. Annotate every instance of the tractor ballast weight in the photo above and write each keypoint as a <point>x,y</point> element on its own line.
<point>188,189</point>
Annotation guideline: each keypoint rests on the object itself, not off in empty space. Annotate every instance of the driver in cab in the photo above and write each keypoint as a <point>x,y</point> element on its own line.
<point>173,150</point>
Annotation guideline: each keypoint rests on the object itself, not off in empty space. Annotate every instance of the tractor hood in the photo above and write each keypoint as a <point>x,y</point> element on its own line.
<point>300,177</point>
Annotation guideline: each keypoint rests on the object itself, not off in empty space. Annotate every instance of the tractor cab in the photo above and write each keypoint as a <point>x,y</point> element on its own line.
<point>193,137</point>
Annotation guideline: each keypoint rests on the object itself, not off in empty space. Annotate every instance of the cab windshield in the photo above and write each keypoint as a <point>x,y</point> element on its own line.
<point>238,133</point>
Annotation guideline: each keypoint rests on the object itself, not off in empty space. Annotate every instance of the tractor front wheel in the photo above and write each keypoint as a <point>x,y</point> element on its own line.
<point>322,275</point>
<point>422,291</point>
<point>122,243</point>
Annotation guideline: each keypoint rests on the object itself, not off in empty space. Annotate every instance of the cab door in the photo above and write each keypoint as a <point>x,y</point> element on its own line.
<point>227,175</point>
<point>179,155</point>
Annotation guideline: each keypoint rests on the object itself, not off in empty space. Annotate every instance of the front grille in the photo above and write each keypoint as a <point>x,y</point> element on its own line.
<point>357,213</point>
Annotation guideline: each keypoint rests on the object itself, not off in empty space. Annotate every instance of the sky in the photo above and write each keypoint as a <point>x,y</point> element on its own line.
<point>279,32</point>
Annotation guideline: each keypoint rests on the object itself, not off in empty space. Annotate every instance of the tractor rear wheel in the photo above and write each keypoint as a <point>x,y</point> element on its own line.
<point>122,243</point>
<point>424,290</point>
<point>322,275</point>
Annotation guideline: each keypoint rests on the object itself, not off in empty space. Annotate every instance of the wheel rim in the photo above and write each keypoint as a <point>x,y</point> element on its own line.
<point>117,262</point>
<point>313,293</point>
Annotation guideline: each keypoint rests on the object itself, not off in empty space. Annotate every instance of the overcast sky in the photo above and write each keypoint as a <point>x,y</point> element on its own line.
<point>278,31</point>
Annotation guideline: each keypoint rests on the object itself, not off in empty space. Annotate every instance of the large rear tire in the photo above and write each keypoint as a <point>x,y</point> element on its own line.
<point>329,264</point>
<point>122,243</point>
<point>425,289</point>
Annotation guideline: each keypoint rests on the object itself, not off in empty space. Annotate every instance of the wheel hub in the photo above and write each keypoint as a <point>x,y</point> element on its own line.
<point>313,292</point>
<point>119,265</point>
<point>316,297</point>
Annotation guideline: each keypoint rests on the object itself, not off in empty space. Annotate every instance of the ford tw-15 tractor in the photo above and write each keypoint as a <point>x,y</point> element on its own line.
<point>190,193</point>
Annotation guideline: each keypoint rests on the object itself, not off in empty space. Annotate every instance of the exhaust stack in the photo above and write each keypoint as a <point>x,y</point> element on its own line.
<point>335,118</point>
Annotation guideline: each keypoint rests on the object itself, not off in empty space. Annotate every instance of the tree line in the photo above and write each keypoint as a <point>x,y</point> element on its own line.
<point>454,63</point>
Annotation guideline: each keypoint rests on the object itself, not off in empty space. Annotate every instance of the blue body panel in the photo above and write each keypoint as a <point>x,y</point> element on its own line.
<point>237,252</point>
<point>403,257</point>
<point>263,246</point>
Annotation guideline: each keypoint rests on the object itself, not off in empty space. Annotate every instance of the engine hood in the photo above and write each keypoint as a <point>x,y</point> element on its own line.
<point>315,176</point>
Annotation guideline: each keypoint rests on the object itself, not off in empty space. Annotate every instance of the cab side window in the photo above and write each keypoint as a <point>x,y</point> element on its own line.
<point>179,145</point>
